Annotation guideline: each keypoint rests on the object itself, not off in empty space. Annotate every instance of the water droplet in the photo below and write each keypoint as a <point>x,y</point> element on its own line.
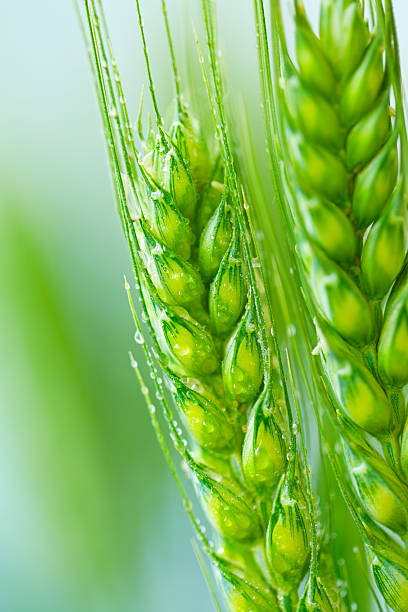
<point>316,349</point>
<point>156,195</point>
<point>138,337</point>
<point>157,249</point>
<point>291,330</point>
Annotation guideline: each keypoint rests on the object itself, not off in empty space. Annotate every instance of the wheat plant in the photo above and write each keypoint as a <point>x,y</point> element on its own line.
<point>234,390</point>
<point>344,150</point>
<point>231,421</point>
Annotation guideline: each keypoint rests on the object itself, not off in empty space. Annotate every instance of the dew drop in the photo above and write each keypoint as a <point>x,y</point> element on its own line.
<point>138,337</point>
<point>316,350</point>
<point>291,330</point>
<point>113,112</point>
<point>157,249</point>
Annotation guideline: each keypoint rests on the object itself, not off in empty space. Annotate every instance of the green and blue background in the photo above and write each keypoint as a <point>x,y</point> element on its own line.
<point>90,519</point>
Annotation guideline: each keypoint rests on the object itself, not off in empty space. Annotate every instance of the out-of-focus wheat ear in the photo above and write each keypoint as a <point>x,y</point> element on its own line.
<point>390,571</point>
<point>343,156</point>
<point>393,343</point>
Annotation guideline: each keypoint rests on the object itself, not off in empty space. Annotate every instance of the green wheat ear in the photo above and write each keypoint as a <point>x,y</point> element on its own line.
<point>225,396</point>
<point>345,157</point>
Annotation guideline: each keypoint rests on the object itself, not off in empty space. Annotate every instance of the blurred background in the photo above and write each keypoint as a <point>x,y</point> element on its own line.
<point>90,519</point>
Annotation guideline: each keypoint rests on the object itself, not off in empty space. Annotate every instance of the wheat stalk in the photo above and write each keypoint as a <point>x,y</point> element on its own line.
<point>192,250</point>
<point>345,156</point>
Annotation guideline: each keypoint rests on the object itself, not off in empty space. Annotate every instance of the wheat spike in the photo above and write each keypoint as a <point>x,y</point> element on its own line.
<point>211,353</point>
<point>192,254</point>
<point>346,187</point>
